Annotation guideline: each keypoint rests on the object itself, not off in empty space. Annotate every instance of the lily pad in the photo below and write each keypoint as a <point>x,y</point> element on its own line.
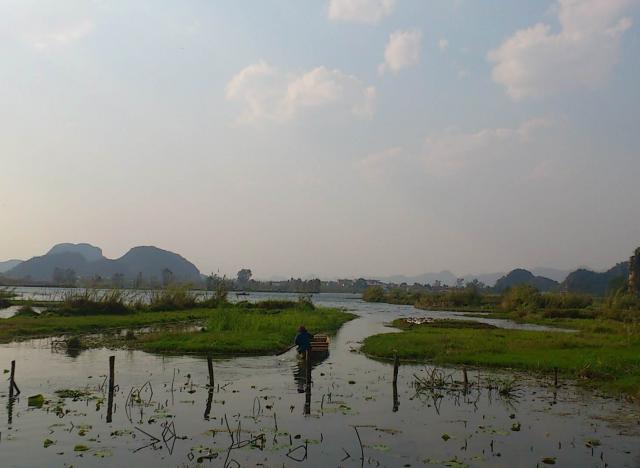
<point>381,447</point>
<point>592,443</point>
<point>103,453</point>
<point>36,400</point>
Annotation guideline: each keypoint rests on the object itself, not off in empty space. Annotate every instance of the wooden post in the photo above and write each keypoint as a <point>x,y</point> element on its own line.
<point>112,365</point>
<point>207,410</point>
<point>555,377</point>
<point>465,377</point>
<point>12,381</point>
<point>210,366</point>
<point>307,400</point>
<point>396,363</point>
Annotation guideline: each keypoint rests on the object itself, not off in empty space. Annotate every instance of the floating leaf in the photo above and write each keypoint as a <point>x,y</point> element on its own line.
<point>80,448</point>
<point>549,460</point>
<point>102,453</point>
<point>446,437</point>
<point>48,442</point>
<point>36,400</point>
<point>592,443</point>
<point>381,447</point>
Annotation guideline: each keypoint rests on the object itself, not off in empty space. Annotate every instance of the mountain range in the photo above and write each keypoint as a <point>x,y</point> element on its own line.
<point>448,278</point>
<point>8,265</point>
<point>87,261</point>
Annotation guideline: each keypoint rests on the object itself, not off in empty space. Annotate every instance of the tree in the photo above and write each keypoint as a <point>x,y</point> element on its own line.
<point>244,276</point>
<point>117,280</point>
<point>167,277</point>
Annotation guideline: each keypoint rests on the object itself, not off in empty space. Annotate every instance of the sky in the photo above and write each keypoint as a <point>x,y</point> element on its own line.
<point>336,138</point>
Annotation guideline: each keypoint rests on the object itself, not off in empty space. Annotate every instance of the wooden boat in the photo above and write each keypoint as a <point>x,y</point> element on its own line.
<point>320,344</point>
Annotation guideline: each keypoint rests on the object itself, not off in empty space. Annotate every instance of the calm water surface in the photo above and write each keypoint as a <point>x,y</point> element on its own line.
<point>256,414</point>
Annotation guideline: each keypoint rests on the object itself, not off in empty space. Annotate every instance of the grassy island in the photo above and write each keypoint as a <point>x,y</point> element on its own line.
<point>604,353</point>
<point>213,326</point>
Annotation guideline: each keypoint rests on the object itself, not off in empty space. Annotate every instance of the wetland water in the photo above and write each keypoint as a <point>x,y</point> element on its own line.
<point>256,413</point>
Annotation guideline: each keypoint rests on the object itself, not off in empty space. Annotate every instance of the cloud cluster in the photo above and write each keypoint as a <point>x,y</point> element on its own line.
<point>536,62</point>
<point>403,50</point>
<point>361,11</point>
<point>451,151</point>
<point>46,38</point>
<point>267,94</point>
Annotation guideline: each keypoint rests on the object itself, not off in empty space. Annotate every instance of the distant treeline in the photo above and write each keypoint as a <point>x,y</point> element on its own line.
<point>522,300</point>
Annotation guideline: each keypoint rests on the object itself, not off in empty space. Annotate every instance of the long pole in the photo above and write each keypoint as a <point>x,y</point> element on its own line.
<point>12,381</point>
<point>112,365</point>
<point>210,366</point>
<point>307,401</point>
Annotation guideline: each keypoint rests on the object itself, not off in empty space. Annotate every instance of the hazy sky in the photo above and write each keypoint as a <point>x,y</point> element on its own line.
<point>329,137</point>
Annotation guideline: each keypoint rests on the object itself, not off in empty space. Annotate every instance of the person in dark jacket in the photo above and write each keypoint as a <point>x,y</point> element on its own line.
<point>303,340</point>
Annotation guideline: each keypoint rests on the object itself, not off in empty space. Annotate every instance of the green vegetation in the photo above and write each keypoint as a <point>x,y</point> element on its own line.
<point>263,327</point>
<point>6,295</point>
<point>15,328</point>
<point>247,331</point>
<point>604,353</point>
<point>91,302</point>
<point>468,298</point>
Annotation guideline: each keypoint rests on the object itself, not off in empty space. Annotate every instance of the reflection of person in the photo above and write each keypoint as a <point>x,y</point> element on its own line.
<point>303,340</point>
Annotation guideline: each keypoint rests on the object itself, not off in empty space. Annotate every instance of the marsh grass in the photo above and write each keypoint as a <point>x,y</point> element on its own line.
<point>174,297</point>
<point>91,302</point>
<point>15,328</point>
<point>229,329</point>
<point>233,330</point>
<point>605,353</point>
<point>6,295</point>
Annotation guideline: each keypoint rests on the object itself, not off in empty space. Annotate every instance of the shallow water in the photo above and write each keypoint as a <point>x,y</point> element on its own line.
<point>253,394</point>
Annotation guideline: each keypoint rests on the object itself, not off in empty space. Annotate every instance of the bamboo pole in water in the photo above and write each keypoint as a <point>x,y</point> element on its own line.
<point>12,381</point>
<point>307,400</point>
<point>396,364</point>
<point>112,365</point>
<point>210,366</point>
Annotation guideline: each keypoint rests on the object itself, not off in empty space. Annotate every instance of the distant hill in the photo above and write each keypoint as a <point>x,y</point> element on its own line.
<point>551,273</point>
<point>88,251</point>
<point>521,276</point>
<point>87,261</point>
<point>445,277</point>
<point>490,279</point>
<point>591,282</point>
<point>8,265</point>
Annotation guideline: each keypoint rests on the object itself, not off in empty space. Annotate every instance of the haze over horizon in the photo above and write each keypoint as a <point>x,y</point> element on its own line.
<point>330,138</point>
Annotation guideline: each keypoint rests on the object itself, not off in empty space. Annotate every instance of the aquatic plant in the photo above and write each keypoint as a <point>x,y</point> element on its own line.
<point>173,297</point>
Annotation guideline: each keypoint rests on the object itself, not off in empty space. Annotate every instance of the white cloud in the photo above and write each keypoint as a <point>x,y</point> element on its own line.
<point>375,167</point>
<point>62,36</point>
<point>452,151</point>
<point>443,45</point>
<point>265,93</point>
<point>536,62</point>
<point>403,50</point>
<point>362,11</point>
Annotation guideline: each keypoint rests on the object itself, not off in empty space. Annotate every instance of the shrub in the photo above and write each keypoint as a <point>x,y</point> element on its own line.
<point>566,300</point>
<point>26,311</point>
<point>6,295</point>
<point>174,297</point>
<point>521,298</point>
<point>468,296</point>
<point>92,302</point>
<point>373,294</point>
